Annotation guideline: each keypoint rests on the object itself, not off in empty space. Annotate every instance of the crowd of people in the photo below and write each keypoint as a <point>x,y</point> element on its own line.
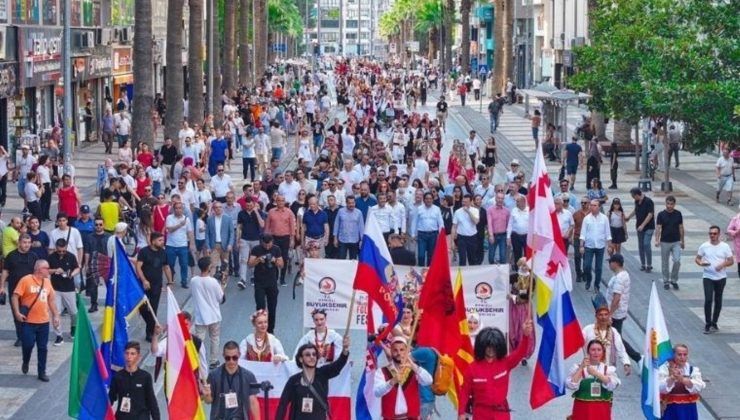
<point>362,149</point>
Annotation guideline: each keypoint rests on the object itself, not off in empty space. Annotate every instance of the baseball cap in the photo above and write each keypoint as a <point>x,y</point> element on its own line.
<point>84,208</point>
<point>514,162</point>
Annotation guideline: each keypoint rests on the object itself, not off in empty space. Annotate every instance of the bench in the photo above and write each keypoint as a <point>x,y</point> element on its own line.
<point>624,149</point>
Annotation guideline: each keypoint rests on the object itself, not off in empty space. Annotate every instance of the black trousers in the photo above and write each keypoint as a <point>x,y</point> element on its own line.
<point>283,242</point>
<point>518,243</point>
<point>713,290</point>
<point>153,294</point>
<point>265,297</point>
<point>45,201</point>
<point>631,352</point>
<point>3,190</point>
<point>331,251</point>
<point>91,285</point>
<point>467,249</point>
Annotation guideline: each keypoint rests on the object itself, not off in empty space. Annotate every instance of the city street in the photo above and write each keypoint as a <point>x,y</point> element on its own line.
<point>25,397</point>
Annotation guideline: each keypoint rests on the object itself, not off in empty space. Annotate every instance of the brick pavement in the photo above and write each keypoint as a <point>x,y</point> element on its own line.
<point>694,187</point>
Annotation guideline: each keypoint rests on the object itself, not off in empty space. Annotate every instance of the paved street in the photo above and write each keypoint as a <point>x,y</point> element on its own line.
<point>26,398</point>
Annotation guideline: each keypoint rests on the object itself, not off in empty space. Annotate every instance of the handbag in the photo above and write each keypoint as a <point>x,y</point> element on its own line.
<point>25,310</point>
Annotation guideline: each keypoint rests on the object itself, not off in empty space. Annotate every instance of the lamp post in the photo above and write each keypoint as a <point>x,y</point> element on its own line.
<point>67,73</point>
<point>210,39</point>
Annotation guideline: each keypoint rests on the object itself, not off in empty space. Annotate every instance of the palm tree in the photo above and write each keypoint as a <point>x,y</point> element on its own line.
<point>196,102</point>
<point>142,129</point>
<point>465,6</point>
<point>228,69</point>
<point>245,75</point>
<point>429,21</point>
<point>449,36</point>
<point>502,27</point>
<point>174,75</point>
<point>284,18</point>
<point>260,37</point>
<point>215,67</point>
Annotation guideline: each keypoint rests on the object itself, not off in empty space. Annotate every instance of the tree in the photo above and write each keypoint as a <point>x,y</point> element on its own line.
<point>196,101</point>
<point>260,37</point>
<point>215,67</point>
<point>665,59</point>
<point>228,69</point>
<point>502,34</point>
<point>429,18</point>
<point>142,129</point>
<point>449,35</point>
<point>245,73</point>
<point>174,73</point>
<point>465,6</point>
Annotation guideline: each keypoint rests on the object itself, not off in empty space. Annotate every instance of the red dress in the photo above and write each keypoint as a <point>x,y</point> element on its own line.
<point>487,383</point>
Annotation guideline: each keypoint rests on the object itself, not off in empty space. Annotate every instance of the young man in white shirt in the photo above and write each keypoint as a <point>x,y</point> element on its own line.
<point>208,294</point>
<point>618,299</point>
<point>221,184</point>
<point>715,256</point>
<point>595,238</point>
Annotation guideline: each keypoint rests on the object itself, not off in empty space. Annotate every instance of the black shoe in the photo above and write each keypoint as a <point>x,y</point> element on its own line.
<point>579,278</point>
<point>24,368</point>
<point>713,328</point>
<point>283,284</point>
<point>241,285</point>
<point>666,286</point>
<point>588,286</point>
<point>43,377</point>
<point>675,286</point>
<point>642,268</point>
<point>612,187</point>
<point>707,330</point>
<point>184,286</point>
<point>93,308</point>
<point>59,341</point>
<point>649,269</point>
<point>524,362</point>
<point>72,332</point>
<point>65,312</point>
<point>17,343</point>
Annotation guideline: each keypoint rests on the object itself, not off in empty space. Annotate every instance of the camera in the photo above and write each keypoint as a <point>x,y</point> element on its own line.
<point>269,260</point>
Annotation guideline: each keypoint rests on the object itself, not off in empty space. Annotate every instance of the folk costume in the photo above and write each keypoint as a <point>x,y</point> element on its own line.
<point>680,401</point>
<point>593,399</point>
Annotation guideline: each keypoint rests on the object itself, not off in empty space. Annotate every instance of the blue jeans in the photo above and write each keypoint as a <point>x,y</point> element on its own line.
<point>643,247</point>
<point>180,253</point>
<point>38,335</point>
<point>277,152</point>
<point>156,188</point>
<point>588,263</point>
<point>494,122</point>
<point>248,166</point>
<point>425,243</point>
<point>22,186</point>
<point>499,244</point>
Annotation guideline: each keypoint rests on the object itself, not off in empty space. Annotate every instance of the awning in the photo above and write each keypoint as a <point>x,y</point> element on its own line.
<point>126,78</point>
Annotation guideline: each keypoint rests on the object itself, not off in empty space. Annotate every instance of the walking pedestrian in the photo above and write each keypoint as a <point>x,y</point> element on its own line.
<point>680,386</point>
<point>151,265</point>
<point>63,268</point>
<point>208,295</point>
<point>644,213</point>
<point>267,260</point>
<point>229,388</point>
<point>715,256</point>
<point>618,298</point>
<point>669,236</point>
<point>725,169</point>
<point>595,238</point>
<point>133,388</point>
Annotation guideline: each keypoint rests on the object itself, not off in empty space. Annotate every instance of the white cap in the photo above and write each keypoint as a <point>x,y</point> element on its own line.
<point>121,227</point>
<point>514,162</point>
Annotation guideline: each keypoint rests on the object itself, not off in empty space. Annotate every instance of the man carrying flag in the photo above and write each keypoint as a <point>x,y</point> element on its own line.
<point>657,352</point>
<point>561,333</point>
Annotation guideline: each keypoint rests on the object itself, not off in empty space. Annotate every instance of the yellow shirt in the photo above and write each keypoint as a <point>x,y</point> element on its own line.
<point>10,240</point>
<point>109,212</point>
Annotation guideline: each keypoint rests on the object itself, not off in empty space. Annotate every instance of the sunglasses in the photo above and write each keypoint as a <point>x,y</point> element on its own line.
<point>98,224</point>
<point>231,358</point>
<point>310,354</point>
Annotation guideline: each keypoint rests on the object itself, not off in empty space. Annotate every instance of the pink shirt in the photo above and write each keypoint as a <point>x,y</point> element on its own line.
<point>734,230</point>
<point>498,219</point>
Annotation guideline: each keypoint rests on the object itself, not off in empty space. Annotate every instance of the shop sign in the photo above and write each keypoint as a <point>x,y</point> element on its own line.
<point>122,60</point>
<point>41,53</point>
<point>8,80</point>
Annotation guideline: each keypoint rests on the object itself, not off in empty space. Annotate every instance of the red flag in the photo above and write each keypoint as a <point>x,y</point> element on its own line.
<point>438,323</point>
<point>464,354</point>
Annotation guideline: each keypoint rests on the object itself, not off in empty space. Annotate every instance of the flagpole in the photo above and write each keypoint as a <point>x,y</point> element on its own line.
<point>154,314</point>
<point>531,289</point>
<point>349,314</point>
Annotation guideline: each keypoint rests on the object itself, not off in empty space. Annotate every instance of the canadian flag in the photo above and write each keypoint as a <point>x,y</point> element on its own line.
<point>278,374</point>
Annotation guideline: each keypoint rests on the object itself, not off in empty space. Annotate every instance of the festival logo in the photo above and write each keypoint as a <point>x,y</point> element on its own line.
<point>327,286</point>
<point>483,291</point>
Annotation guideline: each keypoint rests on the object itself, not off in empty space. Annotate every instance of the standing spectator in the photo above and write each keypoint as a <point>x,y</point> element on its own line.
<point>516,230</point>
<point>151,264</point>
<point>281,225</point>
<point>425,228</point>
<point>266,259</point>
<point>33,299</point>
<point>133,388</point>
<point>219,239</point>
<point>249,227</point>
<point>536,121</point>
<point>11,236</point>
<point>33,191</point>
<point>498,222</point>
<point>44,173</point>
<point>63,267</point>
<point>644,213</point>
<point>179,240</point>
<point>348,230</point>
<point>96,261</point>
<point>109,131</point>
<point>24,164</point>
<point>595,238</point>
<point>715,256</point>
<point>70,199</point>
<point>725,169</point>
<point>618,299</point>
<point>669,236</point>
<point>464,231</point>
<point>17,264</point>
<point>207,297</point>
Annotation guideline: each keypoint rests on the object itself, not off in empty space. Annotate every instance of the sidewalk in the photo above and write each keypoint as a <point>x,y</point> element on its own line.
<point>694,187</point>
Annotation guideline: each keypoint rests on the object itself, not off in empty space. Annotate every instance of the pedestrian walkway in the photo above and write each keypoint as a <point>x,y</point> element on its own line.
<point>694,186</point>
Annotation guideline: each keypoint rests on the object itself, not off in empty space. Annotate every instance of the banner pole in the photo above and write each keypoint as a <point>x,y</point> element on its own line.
<point>531,288</point>
<point>349,314</point>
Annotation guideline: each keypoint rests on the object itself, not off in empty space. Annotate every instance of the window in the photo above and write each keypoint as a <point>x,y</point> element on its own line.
<point>351,24</point>
<point>350,35</point>
<point>329,37</point>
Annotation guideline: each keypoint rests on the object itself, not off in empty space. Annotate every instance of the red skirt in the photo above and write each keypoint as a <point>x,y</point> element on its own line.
<point>588,410</point>
<point>518,314</point>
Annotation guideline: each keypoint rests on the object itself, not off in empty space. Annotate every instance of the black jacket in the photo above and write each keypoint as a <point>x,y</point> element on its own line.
<point>139,387</point>
<point>294,392</point>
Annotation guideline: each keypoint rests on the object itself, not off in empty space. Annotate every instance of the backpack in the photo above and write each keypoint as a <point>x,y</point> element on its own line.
<point>443,374</point>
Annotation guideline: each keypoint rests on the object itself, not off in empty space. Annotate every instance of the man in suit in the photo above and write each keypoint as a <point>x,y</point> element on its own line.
<point>219,239</point>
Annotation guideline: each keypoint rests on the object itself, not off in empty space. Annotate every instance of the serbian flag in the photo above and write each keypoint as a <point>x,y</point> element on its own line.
<point>561,333</point>
<point>375,273</point>
<point>278,375</point>
<point>88,395</point>
<point>181,386</point>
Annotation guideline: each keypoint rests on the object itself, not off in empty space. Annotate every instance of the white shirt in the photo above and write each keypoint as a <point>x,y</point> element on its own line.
<point>426,219</point>
<point>221,185</point>
<point>276,347</point>
<point>518,222</point>
<point>688,371</point>
<point>248,146</point>
<point>200,230</point>
<point>399,214</point>
<point>217,225</point>
<point>714,255</point>
<point>595,231</point>
<point>463,221</point>
<point>310,106</point>
<point>187,197</point>
<point>350,178</point>
<point>124,127</point>
<point>202,196</point>
<point>363,170</point>
<point>289,191</point>
<point>178,237</point>
<point>155,174</point>
<point>31,192</point>
<point>338,194</point>
<point>25,164</point>
<point>207,295</point>
<point>725,166</point>
<point>619,284</point>
<point>73,244</point>
<point>589,333</point>
<point>382,387</point>
<point>421,169</point>
<point>471,145</point>
<point>384,216</point>
<point>565,219</point>
<point>611,372</point>
<point>185,133</point>
<point>43,172</point>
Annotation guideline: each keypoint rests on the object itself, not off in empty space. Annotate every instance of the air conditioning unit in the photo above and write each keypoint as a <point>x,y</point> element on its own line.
<point>90,39</point>
<point>81,40</point>
<point>106,36</point>
<point>115,35</point>
<point>126,35</point>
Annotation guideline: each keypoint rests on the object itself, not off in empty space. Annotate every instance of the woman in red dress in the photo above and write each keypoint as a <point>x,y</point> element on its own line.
<point>594,382</point>
<point>261,346</point>
<point>486,380</point>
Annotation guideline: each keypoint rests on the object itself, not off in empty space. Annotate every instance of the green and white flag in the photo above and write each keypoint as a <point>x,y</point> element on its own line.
<point>657,351</point>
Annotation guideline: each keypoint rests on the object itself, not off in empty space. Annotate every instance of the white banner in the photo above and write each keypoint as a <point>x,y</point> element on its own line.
<point>328,285</point>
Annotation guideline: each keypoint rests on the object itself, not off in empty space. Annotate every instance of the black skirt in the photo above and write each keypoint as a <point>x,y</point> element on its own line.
<point>618,235</point>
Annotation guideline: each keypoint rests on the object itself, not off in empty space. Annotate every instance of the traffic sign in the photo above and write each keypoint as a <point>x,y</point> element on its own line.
<point>280,48</point>
<point>482,68</point>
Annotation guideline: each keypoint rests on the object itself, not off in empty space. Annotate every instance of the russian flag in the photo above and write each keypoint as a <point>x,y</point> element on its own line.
<point>561,332</point>
<point>375,272</point>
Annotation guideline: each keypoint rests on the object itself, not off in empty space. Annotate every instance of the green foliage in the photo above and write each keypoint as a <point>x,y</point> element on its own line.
<point>122,12</point>
<point>283,16</point>
<point>676,59</point>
